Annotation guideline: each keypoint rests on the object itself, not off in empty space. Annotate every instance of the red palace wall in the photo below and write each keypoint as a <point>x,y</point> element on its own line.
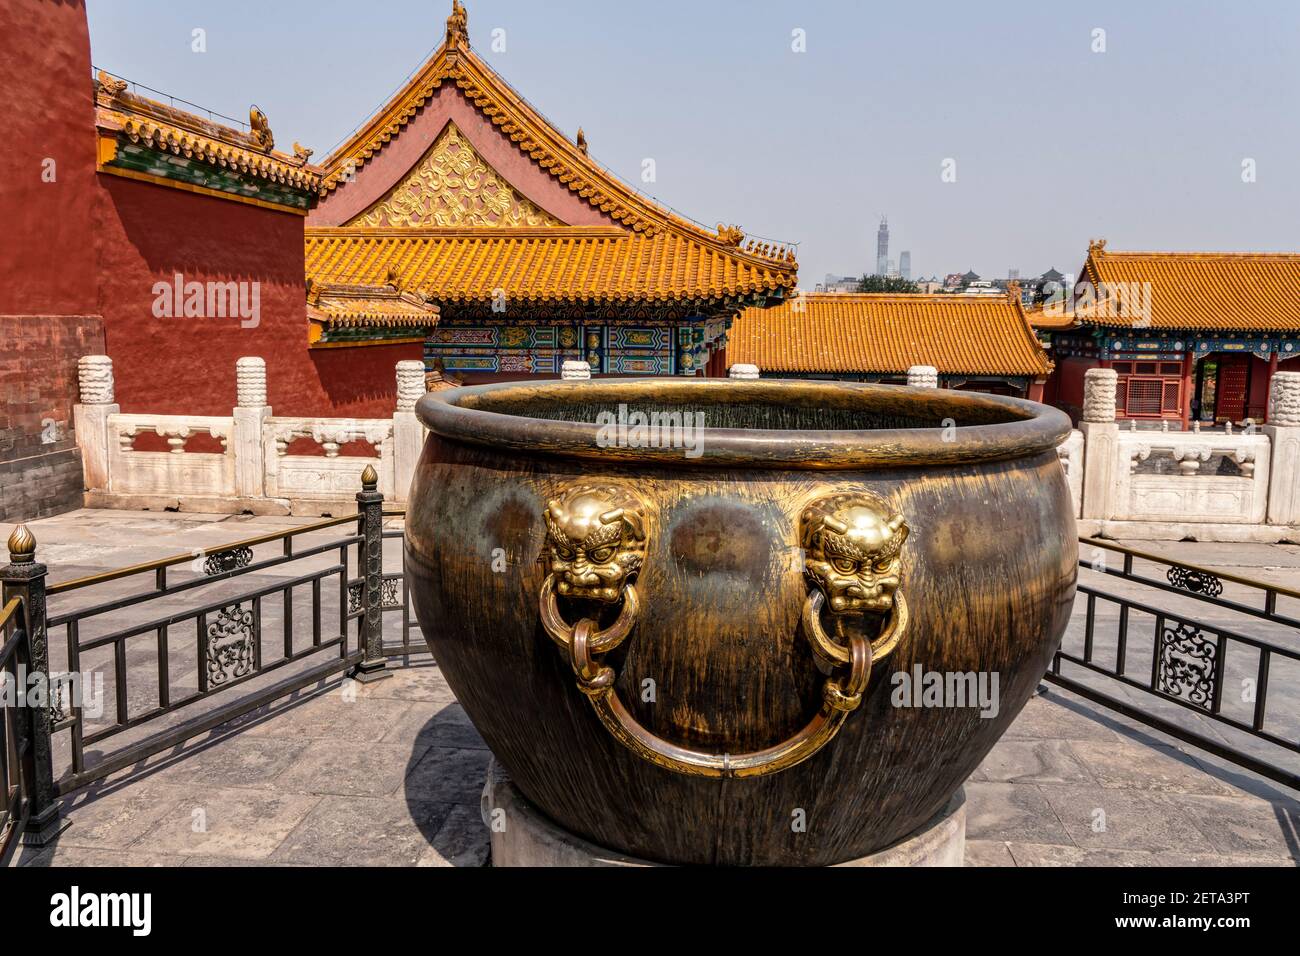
<point>1065,386</point>
<point>47,274</point>
<point>49,116</point>
<point>176,365</point>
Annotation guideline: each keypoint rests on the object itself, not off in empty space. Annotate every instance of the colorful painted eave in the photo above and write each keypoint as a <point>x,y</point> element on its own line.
<point>565,160</point>
<point>877,333</point>
<point>561,264</point>
<point>145,139</point>
<point>1197,291</point>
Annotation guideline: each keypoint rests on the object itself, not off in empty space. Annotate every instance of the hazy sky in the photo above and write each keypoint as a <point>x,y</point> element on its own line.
<point>1142,144</point>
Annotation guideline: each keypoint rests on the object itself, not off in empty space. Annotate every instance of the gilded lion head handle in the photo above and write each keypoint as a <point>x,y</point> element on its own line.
<point>853,556</point>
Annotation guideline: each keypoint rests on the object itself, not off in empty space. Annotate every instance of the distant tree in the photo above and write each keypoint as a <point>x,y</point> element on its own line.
<point>887,284</point>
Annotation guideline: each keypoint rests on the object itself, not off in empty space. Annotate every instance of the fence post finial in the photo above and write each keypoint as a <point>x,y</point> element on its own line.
<point>250,382</point>
<point>22,546</point>
<point>95,379</point>
<point>923,376</point>
<point>1099,388</point>
<point>575,370</point>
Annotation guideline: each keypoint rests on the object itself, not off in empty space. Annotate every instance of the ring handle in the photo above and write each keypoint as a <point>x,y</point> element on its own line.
<point>593,532</point>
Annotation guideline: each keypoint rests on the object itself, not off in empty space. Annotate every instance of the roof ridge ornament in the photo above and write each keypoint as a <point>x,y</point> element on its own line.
<point>458,25</point>
<point>112,86</point>
<point>1096,246</point>
<point>260,130</point>
<point>730,235</point>
<point>582,141</point>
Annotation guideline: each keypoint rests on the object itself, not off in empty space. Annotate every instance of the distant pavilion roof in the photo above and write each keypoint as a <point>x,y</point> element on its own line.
<point>889,333</point>
<point>1229,291</point>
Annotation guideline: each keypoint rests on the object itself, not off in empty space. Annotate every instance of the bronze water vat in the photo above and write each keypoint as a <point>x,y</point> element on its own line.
<point>686,645</point>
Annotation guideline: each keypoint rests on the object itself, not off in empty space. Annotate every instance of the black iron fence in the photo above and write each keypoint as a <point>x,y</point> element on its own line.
<point>17,767</point>
<point>160,652</point>
<point>1184,665</point>
<point>219,634</point>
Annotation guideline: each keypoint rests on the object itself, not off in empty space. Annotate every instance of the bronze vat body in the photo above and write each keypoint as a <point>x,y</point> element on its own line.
<point>688,645</point>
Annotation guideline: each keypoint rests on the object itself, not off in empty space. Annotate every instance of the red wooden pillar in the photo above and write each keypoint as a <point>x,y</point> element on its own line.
<point>1185,389</point>
<point>1035,393</point>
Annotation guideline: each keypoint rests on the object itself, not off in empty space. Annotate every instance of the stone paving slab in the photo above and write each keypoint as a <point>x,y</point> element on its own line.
<point>389,772</point>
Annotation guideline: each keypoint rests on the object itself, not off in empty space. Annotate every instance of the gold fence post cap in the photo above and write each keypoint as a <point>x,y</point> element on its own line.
<point>369,478</point>
<point>22,545</point>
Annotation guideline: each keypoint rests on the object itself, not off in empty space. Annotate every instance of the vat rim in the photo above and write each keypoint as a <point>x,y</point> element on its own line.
<point>1033,430</point>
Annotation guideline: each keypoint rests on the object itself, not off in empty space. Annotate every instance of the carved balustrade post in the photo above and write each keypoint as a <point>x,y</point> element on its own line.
<point>408,433</point>
<point>1283,431</point>
<point>250,414</point>
<point>1100,440</point>
<point>90,418</point>
<point>24,578</point>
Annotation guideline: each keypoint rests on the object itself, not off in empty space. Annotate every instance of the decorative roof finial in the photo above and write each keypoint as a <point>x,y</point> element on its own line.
<point>22,546</point>
<point>1096,245</point>
<point>730,235</point>
<point>582,141</point>
<point>458,25</point>
<point>112,86</point>
<point>260,130</point>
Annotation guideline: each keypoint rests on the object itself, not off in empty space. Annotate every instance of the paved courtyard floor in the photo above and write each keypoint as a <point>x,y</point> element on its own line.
<point>390,772</point>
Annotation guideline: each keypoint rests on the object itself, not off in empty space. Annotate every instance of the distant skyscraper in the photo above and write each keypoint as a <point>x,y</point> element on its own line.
<point>905,265</point>
<point>882,247</point>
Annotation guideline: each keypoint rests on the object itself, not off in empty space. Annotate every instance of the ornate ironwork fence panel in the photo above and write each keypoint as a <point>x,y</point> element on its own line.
<point>1138,657</point>
<point>201,642</point>
<point>396,601</point>
<point>217,639</point>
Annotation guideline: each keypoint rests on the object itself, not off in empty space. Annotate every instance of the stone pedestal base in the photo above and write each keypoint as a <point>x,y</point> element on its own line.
<point>522,836</point>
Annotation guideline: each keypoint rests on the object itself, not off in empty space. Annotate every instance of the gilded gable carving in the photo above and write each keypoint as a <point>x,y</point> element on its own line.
<point>453,186</point>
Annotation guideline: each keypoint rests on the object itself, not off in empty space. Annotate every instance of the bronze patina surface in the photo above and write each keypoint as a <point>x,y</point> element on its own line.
<point>693,657</point>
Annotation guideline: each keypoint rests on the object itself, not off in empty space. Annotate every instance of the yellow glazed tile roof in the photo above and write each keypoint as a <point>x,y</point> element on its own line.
<point>196,138</point>
<point>712,262</point>
<point>544,264</point>
<point>889,333</point>
<point>364,306</point>
<point>1053,318</point>
<point>1249,291</point>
